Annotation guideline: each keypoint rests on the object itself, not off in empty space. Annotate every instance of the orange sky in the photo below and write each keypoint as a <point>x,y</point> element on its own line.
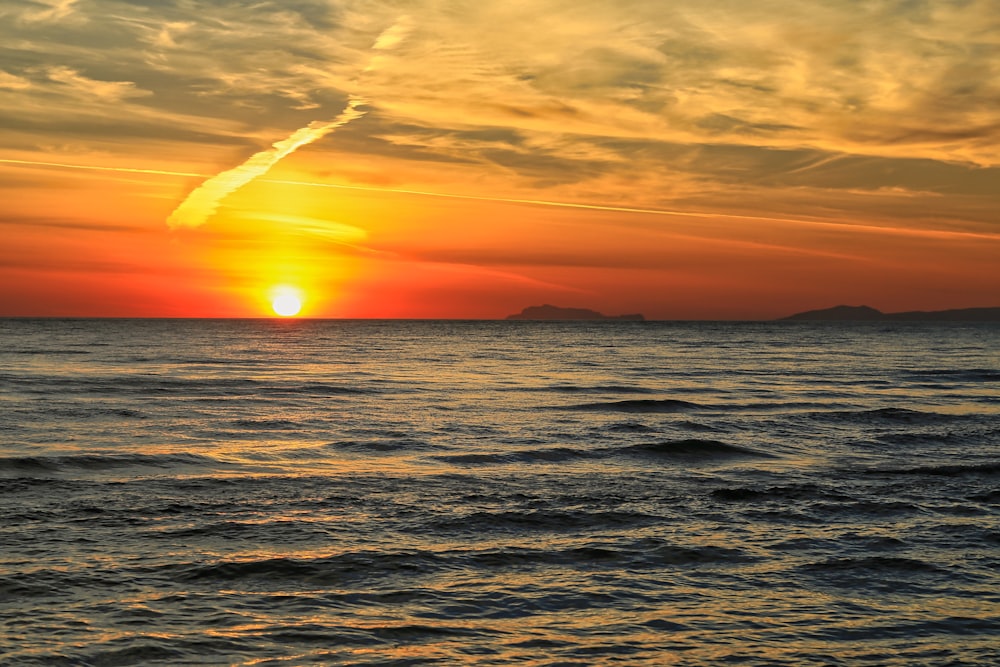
<point>684,160</point>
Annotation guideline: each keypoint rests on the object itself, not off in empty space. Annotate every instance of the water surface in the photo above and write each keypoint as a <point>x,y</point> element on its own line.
<point>333,492</point>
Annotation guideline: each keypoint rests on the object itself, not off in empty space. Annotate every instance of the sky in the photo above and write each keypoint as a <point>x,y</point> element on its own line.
<point>691,159</point>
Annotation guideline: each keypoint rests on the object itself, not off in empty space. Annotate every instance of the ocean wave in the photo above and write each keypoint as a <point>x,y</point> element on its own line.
<point>636,405</point>
<point>674,405</point>
<point>269,569</point>
<point>94,412</point>
<point>316,389</point>
<point>776,406</point>
<point>944,470</point>
<point>24,484</point>
<point>95,462</point>
<point>629,427</point>
<point>417,632</point>
<point>988,497</point>
<point>956,374</point>
<point>156,385</point>
<point>670,554</point>
<point>922,438</point>
<point>874,564</point>
<point>266,424</point>
<point>887,415</point>
<point>693,448</point>
<point>24,587</point>
<point>137,651</point>
<point>641,554</point>
<point>275,572</point>
<point>887,574</point>
<point>552,455</point>
<point>597,389</point>
<point>388,446</point>
<point>242,361</point>
<point>690,449</point>
<point>797,492</point>
<point>371,634</point>
<point>45,352</point>
<point>698,427</point>
<point>542,520</point>
<point>142,385</point>
<point>867,509</point>
<point>287,531</point>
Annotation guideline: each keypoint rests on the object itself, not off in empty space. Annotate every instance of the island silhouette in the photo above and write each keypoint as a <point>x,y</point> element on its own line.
<point>840,313</point>
<point>869,314</point>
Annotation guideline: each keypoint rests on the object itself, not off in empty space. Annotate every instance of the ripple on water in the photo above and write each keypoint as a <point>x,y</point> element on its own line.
<point>487,493</point>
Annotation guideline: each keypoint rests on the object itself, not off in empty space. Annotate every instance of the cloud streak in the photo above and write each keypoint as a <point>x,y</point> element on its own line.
<point>677,213</point>
<point>205,200</point>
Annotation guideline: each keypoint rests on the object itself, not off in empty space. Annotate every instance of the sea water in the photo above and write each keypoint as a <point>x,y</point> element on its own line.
<point>289,492</point>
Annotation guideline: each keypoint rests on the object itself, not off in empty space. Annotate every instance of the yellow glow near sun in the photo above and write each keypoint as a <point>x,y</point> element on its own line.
<point>286,302</point>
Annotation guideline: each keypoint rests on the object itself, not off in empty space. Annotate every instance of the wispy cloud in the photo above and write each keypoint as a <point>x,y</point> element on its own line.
<point>50,10</point>
<point>13,82</point>
<point>794,108</point>
<point>110,91</point>
<point>206,198</point>
<point>195,210</point>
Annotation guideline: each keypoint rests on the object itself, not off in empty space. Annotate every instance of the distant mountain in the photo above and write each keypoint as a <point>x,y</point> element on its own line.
<point>869,314</point>
<point>840,313</point>
<point>548,312</point>
<point>960,315</point>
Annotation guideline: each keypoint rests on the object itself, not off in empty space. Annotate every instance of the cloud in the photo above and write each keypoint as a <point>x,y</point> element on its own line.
<point>108,91</point>
<point>10,81</point>
<point>165,38</point>
<point>52,10</point>
<point>195,210</point>
<point>636,102</point>
<point>394,35</point>
<point>893,79</point>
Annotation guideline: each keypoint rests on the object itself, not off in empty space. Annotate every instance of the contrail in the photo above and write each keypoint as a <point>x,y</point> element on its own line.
<point>934,233</point>
<point>91,167</point>
<point>205,200</point>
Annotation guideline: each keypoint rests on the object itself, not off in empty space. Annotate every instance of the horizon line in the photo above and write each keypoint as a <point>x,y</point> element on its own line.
<point>606,320</point>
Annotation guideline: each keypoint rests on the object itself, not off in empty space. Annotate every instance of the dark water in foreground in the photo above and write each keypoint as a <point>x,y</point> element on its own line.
<point>408,493</point>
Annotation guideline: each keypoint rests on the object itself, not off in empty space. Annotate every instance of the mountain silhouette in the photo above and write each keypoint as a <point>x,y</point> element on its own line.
<point>869,314</point>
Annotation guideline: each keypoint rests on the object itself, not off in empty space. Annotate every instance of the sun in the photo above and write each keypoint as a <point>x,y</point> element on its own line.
<point>286,303</point>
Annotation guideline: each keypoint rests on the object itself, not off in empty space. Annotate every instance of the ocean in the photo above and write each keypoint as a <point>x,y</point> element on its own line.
<point>292,492</point>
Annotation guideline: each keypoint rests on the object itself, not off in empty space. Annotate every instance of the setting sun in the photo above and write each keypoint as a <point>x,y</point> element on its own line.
<point>286,304</point>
